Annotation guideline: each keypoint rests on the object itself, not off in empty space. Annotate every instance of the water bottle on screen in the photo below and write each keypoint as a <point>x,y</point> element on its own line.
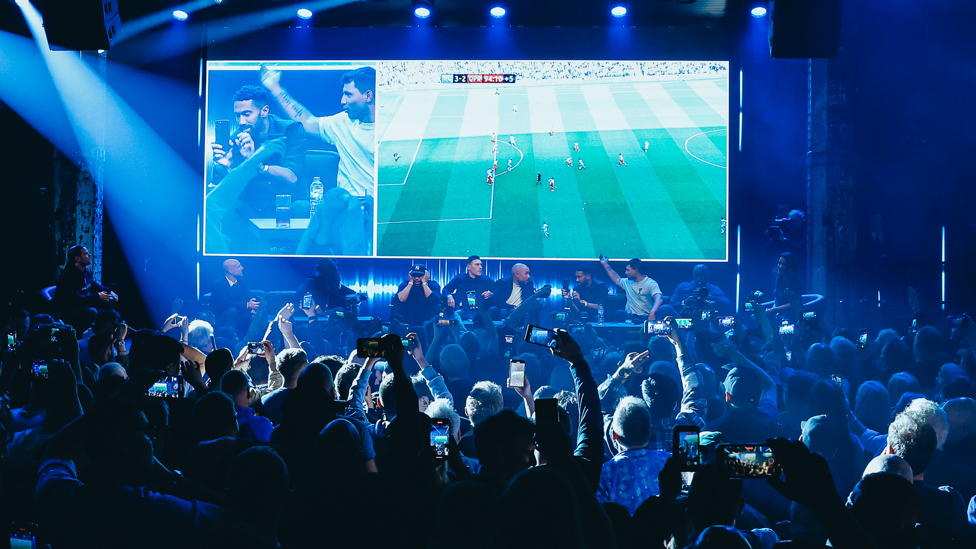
<point>283,211</point>
<point>315,192</point>
<point>599,315</point>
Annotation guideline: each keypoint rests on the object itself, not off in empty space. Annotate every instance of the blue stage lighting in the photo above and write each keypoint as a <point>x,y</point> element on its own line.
<point>758,12</point>
<point>422,8</point>
<point>618,11</point>
<point>180,15</point>
<point>497,11</point>
<point>305,13</point>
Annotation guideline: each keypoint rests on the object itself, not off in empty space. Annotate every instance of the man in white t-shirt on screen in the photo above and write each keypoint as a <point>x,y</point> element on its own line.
<point>643,293</point>
<point>342,224</point>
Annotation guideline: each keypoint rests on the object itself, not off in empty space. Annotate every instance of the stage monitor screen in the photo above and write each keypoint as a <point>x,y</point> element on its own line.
<point>445,159</point>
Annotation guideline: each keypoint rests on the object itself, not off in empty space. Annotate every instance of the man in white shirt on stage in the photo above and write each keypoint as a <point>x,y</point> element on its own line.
<point>339,226</point>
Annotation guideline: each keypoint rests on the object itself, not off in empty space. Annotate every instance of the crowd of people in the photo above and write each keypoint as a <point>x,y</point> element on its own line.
<point>247,427</point>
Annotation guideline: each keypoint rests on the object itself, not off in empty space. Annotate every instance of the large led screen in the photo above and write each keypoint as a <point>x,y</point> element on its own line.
<point>445,159</point>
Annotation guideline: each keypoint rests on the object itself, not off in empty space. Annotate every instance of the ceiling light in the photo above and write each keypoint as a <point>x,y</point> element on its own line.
<point>305,13</point>
<point>422,8</point>
<point>180,15</point>
<point>497,11</point>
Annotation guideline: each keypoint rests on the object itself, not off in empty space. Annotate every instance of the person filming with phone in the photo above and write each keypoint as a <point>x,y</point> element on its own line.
<point>278,175</point>
<point>588,295</point>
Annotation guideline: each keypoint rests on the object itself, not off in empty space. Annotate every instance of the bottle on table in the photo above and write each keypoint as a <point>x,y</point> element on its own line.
<point>315,192</point>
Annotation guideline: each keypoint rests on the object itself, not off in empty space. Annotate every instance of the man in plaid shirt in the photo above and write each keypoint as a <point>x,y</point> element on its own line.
<point>660,393</point>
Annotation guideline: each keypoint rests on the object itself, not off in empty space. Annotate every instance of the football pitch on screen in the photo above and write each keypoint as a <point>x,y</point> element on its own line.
<point>436,149</point>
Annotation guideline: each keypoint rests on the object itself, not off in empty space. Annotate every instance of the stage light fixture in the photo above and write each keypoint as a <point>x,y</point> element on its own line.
<point>758,12</point>
<point>180,15</point>
<point>619,10</point>
<point>422,8</point>
<point>305,13</point>
<point>497,12</point>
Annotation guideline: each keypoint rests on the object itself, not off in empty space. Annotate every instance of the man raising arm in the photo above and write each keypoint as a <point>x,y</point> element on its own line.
<point>339,225</point>
<point>643,293</point>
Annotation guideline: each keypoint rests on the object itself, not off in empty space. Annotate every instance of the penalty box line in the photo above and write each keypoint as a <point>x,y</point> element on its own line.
<point>491,203</point>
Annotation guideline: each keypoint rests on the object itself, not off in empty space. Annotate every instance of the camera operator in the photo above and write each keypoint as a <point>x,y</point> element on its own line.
<point>787,234</point>
<point>701,295</point>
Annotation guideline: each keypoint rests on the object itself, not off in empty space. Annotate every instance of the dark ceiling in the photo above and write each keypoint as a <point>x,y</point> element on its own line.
<point>447,13</point>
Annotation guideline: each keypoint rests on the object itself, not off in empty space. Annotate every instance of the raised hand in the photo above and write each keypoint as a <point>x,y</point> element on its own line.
<point>286,312</point>
<point>270,78</point>
<point>567,348</point>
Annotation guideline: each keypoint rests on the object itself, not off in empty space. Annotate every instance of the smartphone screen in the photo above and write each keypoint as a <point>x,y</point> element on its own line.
<point>683,323</point>
<point>11,342</point>
<point>255,348</point>
<point>443,322</point>
<point>838,380</point>
<point>222,132</point>
<point>809,315</point>
<point>746,461</point>
<point>167,387</point>
<point>726,322</point>
<point>706,315</point>
<point>471,300</point>
<point>516,373</point>
<point>540,336</point>
<point>749,307</point>
<point>369,347</point>
<point>686,446</point>
<point>656,327</point>
<point>786,329</point>
<point>54,334</point>
<point>862,340</point>
<point>39,369</point>
<point>509,339</point>
<point>440,430</point>
<point>307,301</point>
<point>546,410</point>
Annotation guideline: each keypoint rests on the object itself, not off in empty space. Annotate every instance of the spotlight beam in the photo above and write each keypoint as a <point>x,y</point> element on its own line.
<point>151,21</point>
<point>156,45</point>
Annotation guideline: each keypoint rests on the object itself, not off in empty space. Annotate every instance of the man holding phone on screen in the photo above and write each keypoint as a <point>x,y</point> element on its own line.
<point>279,175</point>
<point>339,225</point>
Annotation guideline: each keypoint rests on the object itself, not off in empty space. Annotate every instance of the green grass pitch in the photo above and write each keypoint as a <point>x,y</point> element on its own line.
<point>665,204</point>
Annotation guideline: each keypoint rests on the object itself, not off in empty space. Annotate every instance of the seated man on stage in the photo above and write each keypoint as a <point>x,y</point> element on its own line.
<point>643,294</point>
<point>471,280</point>
<point>278,175</point>
<point>342,222</point>
<point>418,299</point>
<point>714,298</point>
<point>518,292</point>
<point>230,298</point>
<point>588,295</point>
<point>325,286</point>
<point>77,295</point>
